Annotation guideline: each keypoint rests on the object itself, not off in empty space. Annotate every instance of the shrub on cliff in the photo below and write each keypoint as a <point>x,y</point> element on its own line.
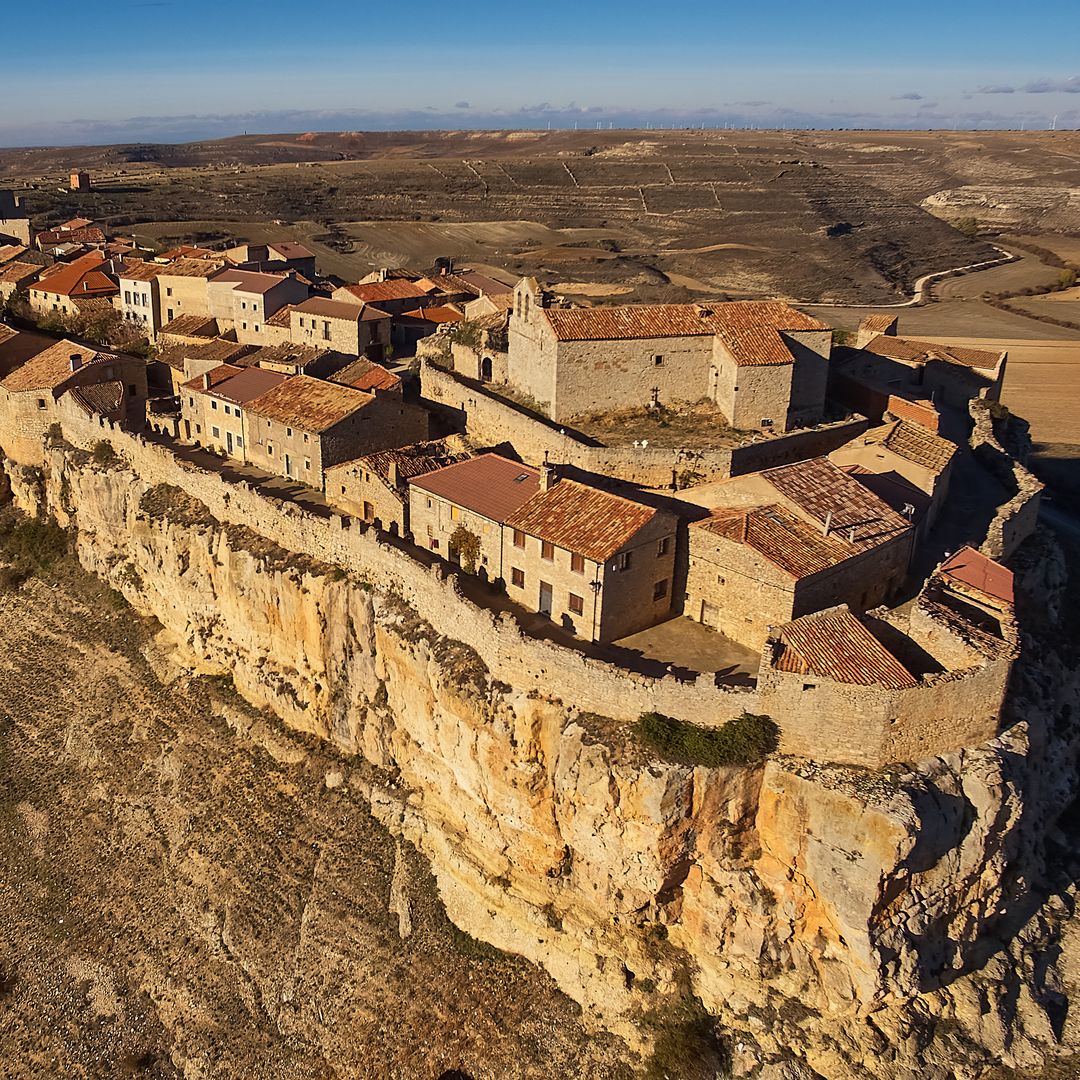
<point>742,741</point>
<point>31,543</point>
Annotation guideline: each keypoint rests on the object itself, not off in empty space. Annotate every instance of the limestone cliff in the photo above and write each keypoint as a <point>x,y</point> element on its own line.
<point>872,925</point>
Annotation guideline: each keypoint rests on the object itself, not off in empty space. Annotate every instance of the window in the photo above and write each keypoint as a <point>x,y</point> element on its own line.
<point>213,404</point>
<point>766,422</point>
<point>342,489</point>
<point>577,563</point>
<point>198,429</point>
<point>658,361</point>
<point>306,439</point>
<point>434,545</point>
<point>216,432</point>
<point>191,402</point>
<point>307,464</point>
<point>576,604</point>
<point>168,292</point>
<point>517,578</point>
<point>429,504</point>
<point>243,326</point>
<point>288,432</point>
<point>239,440</point>
<point>256,328</point>
<point>326,331</point>
<point>41,403</point>
<point>659,590</point>
<point>519,538</point>
<point>243,304</point>
<point>455,513</point>
<point>269,449</point>
<point>127,296</point>
<point>662,546</point>
<point>547,550</point>
<point>369,512</point>
<point>622,560</point>
<point>228,411</point>
<point>169,314</point>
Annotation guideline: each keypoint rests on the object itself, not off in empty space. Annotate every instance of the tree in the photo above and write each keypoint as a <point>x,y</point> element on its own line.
<point>466,546</point>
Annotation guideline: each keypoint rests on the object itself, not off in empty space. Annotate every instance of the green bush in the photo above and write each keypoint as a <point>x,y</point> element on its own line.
<point>36,543</point>
<point>969,226</point>
<point>686,1044</point>
<point>103,453</point>
<point>742,741</point>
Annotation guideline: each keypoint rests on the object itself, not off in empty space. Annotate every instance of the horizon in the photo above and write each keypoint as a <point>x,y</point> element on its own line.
<point>837,67</point>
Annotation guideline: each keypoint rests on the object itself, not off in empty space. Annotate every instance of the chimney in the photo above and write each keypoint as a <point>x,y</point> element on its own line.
<point>206,380</point>
<point>828,523</point>
<point>392,473</point>
<point>548,476</point>
<point>76,361</point>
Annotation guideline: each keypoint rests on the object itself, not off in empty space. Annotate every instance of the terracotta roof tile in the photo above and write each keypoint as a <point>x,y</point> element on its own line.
<point>412,461</point>
<point>395,289</point>
<point>920,352</point>
<point>435,314</point>
<point>250,281</point>
<point>836,645</point>
<point>367,375</point>
<point>50,368</point>
<point>308,403</point>
<point>242,385</point>
<point>971,569</point>
<point>204,268</point>
<point>83,277</point>
<point>191,326</point>
<point>582,519</point>
<point>629,321</point>
<point>490,485</point>
<point>827,493</point>
<point>17,272</point>
<point>917,444</point>
<point>328,309</point>
<point>139,271</point>
<point>786,541</point>
<point>99,398</point>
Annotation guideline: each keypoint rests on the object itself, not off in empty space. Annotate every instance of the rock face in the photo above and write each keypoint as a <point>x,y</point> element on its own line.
<point>873,925</point>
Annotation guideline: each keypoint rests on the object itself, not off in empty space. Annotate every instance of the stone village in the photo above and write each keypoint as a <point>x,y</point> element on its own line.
<point>828,546</point>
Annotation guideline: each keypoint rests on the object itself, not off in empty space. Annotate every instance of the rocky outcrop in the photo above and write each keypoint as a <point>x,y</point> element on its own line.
<point>871,924</point>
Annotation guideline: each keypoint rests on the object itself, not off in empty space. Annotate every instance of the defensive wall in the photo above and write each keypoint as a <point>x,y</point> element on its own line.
<point>492,420</point>
<point>859,725</point>
<point>1015,520</point>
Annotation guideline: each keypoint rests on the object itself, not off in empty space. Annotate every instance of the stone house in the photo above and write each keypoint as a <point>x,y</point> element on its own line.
<point>355,330</point>
<point>175,365</point>
<point>922,680</point>
<point>274,258</point>
<point>30,395</point>
<point>213,406</point>
<point>905,465</point>
<point>375,488</point>
<point>67,288</point>
<point>598,564</point>
<point>948,374</point>
<point>183,288</point>
<point>14,220</point>
<point>764,364</point>
<point>16,276</point>
<point>303,425</point>
<point>791,541</point>
<point>293,359</point>
<point>243,300</point>
<point>395,296</point>
<point>137,299</point>
<point>479,349</point>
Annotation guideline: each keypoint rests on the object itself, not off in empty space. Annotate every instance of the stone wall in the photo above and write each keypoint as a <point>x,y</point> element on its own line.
<point>492,421</point>
<point>1015,520</point>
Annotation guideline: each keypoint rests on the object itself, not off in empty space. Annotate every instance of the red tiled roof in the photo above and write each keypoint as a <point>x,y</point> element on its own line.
<point>308,403</point>
<point>435,314</point>
<point>16,272</point>
<point>82,277</point>
<point>241,385</point>
<point>920,352</point>
<point>827,493</point>
<point>975,570</point>
<point>785,540</point>
<point>490,485</point>
<point>328,309</point>
<point>917,444</point>
<point>139,271</point>
<point>250,281</point>
<point>630,321</point>
<point>289,250</point>
<point>757,347</point>
<point>99,398</point>
<point>48,369</point>
<point>836,645</point>
<point>411,461</point>
<point>582,519</point>
<point>204,268</point>
<point>395,289</point>
<point>366,375</point>
<point>877,323</point>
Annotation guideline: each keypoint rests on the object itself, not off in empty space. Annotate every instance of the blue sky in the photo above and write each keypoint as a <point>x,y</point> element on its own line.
<point>187,69</point>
